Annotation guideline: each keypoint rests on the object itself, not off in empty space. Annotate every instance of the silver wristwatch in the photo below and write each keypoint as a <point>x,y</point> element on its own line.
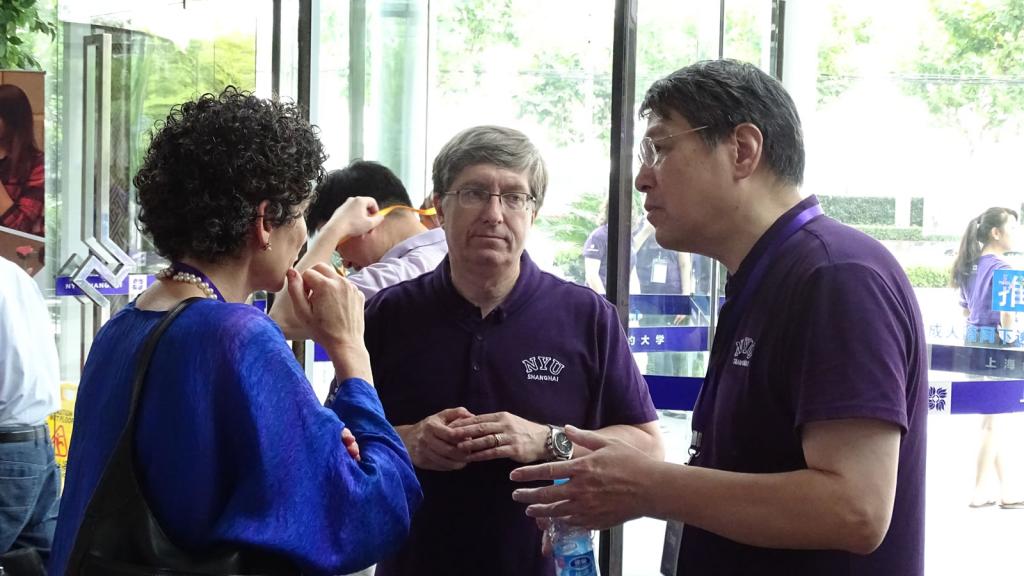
<point>558,444</point>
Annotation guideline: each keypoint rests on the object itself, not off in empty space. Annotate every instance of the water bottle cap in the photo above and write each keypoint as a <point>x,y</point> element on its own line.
<point>560,481</point>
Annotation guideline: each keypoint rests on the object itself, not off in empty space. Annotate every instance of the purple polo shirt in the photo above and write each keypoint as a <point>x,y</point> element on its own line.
<point>977,297</point>
<point>649,256</point>
<point>553,352</point>
<point>833,331</point>
<point>596,248</point>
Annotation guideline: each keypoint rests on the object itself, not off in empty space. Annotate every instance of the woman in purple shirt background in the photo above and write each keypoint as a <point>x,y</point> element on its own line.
<point>985,243</point>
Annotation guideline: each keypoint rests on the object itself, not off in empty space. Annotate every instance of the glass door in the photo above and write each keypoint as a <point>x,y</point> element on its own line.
<point>117,70</point>
<point>674,296</point>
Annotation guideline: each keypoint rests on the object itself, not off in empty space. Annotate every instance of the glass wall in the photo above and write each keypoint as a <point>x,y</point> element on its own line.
<point>517,63</point>
<point>158,53</point>
<point>336,77</point>
<point>370,95</point>
<point>912,115</point>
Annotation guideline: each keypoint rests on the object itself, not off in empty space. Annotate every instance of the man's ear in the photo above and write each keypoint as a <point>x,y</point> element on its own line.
<point>437,206</point>
<point>749,145</point>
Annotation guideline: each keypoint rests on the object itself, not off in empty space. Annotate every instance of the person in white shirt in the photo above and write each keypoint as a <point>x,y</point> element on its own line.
<point>384,250</point>
<point>29,392</point>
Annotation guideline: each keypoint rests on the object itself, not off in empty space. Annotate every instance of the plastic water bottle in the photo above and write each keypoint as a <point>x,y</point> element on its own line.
<point>573,548</point>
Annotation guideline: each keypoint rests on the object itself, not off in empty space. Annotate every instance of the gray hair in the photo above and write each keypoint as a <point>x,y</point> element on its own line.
<point>503,147</point>
<point>722,94</point>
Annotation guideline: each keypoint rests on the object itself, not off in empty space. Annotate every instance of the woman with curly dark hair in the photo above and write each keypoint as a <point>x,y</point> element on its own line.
<point>22,180</point>
<point>232,449</point>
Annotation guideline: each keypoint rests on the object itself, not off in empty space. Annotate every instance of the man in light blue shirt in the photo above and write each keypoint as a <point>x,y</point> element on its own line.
<point>384,250</point>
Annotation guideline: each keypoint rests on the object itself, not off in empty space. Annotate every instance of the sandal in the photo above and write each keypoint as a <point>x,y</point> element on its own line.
<point>987,504</point>
<point>1012,505</point>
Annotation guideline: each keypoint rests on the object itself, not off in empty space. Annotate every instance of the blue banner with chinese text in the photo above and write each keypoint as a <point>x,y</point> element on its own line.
<point>668,339</point>
<point>1008,290</point>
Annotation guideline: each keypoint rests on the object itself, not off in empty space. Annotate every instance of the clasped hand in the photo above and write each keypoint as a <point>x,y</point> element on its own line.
<point>455,437</point>
<point>501,435</point>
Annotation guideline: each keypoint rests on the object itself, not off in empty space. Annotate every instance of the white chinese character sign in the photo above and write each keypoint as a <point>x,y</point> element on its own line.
<point>1008,290</point>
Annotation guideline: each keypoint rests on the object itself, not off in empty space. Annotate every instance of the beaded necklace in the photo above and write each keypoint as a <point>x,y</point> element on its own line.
<point>181,272</point>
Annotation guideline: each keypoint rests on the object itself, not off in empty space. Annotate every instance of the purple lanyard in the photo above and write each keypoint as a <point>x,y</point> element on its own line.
<point>182,267</point>
<point>732,311</point>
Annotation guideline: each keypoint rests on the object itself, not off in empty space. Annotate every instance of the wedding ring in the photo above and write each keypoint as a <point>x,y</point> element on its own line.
<point>497,440</point>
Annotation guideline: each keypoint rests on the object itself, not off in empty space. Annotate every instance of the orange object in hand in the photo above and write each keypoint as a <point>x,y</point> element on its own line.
<point>423,211</point>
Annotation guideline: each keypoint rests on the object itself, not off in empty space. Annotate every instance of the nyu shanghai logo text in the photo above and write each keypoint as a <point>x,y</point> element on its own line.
<point>543,368</point>
<point>744,352</point>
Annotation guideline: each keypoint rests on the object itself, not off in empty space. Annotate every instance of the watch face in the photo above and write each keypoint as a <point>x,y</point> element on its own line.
<point>562,443</point>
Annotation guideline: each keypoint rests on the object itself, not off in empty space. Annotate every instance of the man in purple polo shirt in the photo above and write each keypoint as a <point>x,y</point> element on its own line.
<point>809,433</point>
<point>481,362</point>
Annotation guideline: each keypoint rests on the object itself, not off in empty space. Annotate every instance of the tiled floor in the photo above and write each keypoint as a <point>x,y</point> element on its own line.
<point>958,539</point>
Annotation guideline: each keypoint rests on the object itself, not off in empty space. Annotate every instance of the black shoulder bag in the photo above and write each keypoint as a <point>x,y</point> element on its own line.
<point>119,536</point>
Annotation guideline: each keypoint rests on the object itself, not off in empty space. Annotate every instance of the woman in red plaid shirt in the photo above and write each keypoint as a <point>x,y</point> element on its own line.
<point>22,178</point>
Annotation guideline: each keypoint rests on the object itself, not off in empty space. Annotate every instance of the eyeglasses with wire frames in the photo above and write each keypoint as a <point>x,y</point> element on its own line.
<point>477,197</point>
<point>649,155</point>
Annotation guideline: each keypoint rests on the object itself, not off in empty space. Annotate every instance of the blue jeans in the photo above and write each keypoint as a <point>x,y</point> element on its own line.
<point>29,495</point>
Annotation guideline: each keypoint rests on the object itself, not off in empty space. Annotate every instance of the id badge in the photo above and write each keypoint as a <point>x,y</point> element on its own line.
<point>659,271</point>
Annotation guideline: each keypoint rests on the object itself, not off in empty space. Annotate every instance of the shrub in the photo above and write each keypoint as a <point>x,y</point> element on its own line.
<point>928,276</point>
<point>911,233</point>
<point>917,211</point>
<point>570,262</point>
<point>860,210</point>
<point>892,232</point>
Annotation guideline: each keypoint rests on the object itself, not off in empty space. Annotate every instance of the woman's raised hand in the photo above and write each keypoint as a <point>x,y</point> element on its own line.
<point>332,309</point>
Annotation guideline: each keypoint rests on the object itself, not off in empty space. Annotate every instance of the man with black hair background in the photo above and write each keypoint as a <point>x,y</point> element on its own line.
<point>384,250</point>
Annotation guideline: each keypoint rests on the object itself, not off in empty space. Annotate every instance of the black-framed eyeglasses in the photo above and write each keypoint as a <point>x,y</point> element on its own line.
<point>649,155</point>
<point>477,197</point>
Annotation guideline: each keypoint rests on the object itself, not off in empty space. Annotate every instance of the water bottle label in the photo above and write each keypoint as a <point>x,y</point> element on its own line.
<point>577,565</point>
<point>568,547</point>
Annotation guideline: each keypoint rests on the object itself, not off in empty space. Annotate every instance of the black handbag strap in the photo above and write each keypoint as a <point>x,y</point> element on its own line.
<point>95,517</point>
<point>142,364</point>
<point>119,534</point>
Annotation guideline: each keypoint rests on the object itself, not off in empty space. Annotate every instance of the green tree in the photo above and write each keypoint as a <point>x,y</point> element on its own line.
<point>19,21</point>
<point>571,230</point>
<point>172,75</point>
<point>742,36</point>
<point>837,70</point>
<point>566,86</point>
<point>569,95</point>
<point>467,31</point>
<point>563,83</point>
<point>969,69</point>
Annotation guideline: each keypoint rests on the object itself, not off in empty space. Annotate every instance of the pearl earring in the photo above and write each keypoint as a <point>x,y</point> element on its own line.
<point>267,247</point>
